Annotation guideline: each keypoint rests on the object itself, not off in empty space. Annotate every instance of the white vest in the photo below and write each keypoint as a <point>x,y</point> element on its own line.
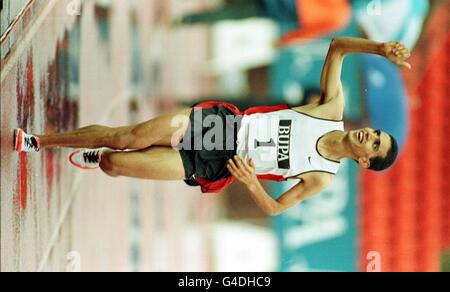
<point>284,143</point>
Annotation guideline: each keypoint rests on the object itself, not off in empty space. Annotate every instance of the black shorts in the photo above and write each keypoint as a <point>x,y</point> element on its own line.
<point>200,161</point>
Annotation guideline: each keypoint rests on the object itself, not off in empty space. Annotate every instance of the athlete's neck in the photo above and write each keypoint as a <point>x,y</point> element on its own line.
<point>334,146</point>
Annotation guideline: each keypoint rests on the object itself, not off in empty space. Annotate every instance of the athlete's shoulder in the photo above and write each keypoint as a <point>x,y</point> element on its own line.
<point>322,112</point>
<point>321,179</point>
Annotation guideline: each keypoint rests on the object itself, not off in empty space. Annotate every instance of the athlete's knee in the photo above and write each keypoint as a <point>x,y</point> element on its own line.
<point>108,166</point>
<point>123,140</point>
<point>131,138</point>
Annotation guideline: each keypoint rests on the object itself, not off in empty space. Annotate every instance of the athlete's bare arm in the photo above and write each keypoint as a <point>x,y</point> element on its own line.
<point>333,100</point>
<point>311,184</point>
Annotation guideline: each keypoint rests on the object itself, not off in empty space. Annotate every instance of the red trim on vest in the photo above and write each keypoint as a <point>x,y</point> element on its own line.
<point>248,112</point>
<point>215,187</point>
<point>211,104</point>
<point>266,109</point>
<point>272,177</point>
<point>220,185</point>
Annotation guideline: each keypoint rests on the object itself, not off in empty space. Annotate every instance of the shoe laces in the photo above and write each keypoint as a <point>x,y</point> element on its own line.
<point>91,157</point>
<point>31,142</point>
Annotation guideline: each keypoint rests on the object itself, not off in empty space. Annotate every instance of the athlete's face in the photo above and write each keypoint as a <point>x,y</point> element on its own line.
<point>369,143</point>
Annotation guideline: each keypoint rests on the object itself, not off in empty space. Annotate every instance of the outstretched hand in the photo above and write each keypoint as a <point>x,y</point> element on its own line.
<point>242,171</point>
<point>397,53</point>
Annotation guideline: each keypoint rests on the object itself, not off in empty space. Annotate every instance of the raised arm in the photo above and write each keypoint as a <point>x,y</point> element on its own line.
<point>331,85</point>
<point>245,173</point>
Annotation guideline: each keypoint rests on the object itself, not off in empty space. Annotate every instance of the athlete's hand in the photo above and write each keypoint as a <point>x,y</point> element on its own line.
<point>242,171</point>
<point>397,53</point>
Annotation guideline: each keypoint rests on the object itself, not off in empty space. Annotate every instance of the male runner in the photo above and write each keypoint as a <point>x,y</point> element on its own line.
<point>275,143</point>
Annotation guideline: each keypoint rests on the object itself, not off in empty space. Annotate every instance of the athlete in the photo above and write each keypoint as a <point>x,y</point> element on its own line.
<point>263,143</point>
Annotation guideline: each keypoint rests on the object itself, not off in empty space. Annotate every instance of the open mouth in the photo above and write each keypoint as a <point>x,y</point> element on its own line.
<point>362,137</point>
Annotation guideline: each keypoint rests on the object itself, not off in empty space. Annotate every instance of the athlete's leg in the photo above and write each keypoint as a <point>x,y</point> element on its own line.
<point>159,131</point>
<point>233,10</point>
<point>155,163</point>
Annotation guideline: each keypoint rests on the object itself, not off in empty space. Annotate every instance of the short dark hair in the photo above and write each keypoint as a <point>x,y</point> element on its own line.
<point>380,163</point>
